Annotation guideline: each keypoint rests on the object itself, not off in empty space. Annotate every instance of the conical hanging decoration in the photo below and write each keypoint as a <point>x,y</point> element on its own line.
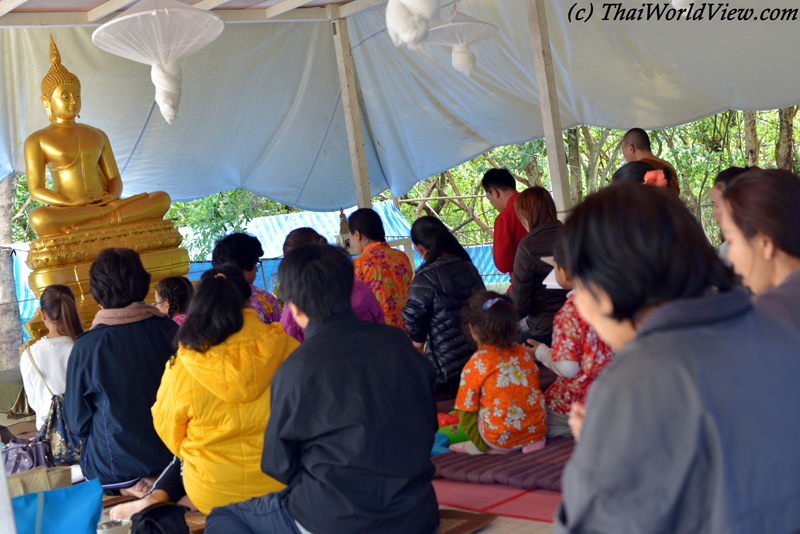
<point>680,4</point>
<point>460,31</point>
<point>159,33</point>
<point>407,20</point>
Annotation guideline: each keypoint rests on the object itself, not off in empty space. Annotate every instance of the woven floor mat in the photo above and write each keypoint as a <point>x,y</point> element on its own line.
<point>535,470</point>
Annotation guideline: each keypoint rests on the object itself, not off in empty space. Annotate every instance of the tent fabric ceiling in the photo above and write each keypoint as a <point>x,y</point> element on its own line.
<point>262,110</point>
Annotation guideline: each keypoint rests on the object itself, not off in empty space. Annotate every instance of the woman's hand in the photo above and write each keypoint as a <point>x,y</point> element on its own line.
<point>576,416</point>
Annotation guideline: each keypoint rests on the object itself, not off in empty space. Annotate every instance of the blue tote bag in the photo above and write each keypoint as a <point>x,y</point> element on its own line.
<point>74,509</point>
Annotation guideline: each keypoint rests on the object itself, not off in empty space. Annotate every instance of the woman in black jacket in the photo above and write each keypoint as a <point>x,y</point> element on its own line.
<point>536,305</point>
<point>113,375</point>
<point>440,289</point>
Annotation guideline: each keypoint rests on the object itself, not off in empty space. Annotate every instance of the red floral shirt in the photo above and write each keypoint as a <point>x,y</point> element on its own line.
<point>502,385</point>
<point>387,272</point>
<point>575,341</point>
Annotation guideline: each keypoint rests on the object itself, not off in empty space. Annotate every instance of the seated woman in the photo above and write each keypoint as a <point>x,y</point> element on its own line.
<point>500,406</point>
<point>385,270</point>
<point>536,305</point>
<point>761,221</point>
<point>441,287</point>
<point>43,365</point>
<point>172,297</point>
<point>715,195</point>
<point>113,375</point>
<point>213,403</point>
<point>577,355</point>
<point>688,429</point>
<point>365,305</point>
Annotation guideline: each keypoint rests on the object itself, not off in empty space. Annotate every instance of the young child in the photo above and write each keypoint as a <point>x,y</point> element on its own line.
<point>172,297</point>
<point>577,355</point>
<point>499,401</point>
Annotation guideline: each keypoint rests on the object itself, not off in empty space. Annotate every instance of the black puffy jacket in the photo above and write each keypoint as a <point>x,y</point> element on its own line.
<point>432,313</point>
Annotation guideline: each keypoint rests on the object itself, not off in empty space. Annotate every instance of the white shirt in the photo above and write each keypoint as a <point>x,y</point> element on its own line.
<point>51,356</point>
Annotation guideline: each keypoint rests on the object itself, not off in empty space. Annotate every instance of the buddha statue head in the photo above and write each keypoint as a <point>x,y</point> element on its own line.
<point>61,90</point>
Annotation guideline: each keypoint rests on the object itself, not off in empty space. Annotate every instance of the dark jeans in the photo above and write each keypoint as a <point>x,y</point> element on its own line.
<point>260,515</point>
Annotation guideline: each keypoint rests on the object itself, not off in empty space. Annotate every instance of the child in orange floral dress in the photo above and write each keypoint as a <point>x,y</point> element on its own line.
<point>501,407</point>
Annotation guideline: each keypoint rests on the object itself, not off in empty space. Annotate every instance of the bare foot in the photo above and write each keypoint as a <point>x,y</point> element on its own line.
<point>128,509</point>
<point>141,488</point>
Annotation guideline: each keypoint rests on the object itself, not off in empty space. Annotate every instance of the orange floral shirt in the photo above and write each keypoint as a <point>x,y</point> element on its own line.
<point>502,385</point>
<point>387,272</point>
<point>575,341</point>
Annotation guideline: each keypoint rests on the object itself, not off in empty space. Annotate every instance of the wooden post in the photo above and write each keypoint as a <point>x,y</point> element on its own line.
<point>551,117</point>
<point>352,116</point>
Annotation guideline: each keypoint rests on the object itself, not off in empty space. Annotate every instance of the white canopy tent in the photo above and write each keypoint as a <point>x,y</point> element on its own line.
<point>263,106</point>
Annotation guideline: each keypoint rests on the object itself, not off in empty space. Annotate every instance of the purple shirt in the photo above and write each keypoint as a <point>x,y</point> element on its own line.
<point>364,303</point>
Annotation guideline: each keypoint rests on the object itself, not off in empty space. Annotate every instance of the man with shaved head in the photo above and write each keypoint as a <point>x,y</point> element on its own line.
<point>636,147</point>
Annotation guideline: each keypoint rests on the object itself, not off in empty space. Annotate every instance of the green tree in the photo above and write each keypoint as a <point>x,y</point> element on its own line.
<point>214,216</point>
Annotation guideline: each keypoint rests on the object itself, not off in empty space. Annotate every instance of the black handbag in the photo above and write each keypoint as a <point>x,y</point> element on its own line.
<point>23,454</point>
<point>160,518</point>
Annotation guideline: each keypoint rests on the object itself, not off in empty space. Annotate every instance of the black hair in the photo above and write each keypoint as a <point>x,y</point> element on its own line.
<point>368,223</point>
<point>494,318</point>
<point>240,249</point>
<point>215,311</point>
<point>638,138</point>
<point>318,279</point>
<point>58,302</point>
<point>631,172</point>
<point>766,201</point>
<point>301,236</point>
<point>501,179</point>
<point>117,278</point>
<point>642,247</point>
<point>560,250</point>
<point>430,233</point>
<point>728,175</point>
<point>176,291</point>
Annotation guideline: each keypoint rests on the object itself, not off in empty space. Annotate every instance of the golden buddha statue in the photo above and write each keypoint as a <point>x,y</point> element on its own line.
<point>84,212</point>
<point>86,182</point>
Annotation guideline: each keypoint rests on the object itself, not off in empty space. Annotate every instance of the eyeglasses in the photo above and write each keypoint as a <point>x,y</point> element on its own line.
<point>157,303</point>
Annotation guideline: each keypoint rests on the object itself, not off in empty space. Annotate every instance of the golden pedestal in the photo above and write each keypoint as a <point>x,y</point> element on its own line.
<point>66,259</point>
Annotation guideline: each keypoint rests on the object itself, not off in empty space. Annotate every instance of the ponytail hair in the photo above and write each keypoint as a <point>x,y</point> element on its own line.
<point>58,302</point>
<point>215,311</point>
<point>431,234</point>
<point>177,291</point>
<point>493,317</point>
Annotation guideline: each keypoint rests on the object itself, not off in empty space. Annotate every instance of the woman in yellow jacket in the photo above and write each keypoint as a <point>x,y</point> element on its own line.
<point>213,403</point>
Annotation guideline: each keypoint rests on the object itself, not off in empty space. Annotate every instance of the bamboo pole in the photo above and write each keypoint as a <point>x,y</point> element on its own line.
<point>548,96</point>
<point>352,116</point>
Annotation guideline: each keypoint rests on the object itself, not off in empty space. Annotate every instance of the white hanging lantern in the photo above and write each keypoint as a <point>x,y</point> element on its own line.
<point>159,33</point>
<point>681,4</point>
<point>407,20</point>
<point>460,31</point>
